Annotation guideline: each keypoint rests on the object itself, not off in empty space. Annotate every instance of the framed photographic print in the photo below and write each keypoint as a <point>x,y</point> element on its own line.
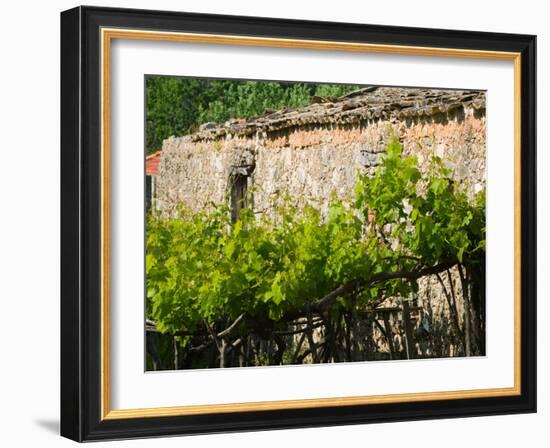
<point>274,224</point>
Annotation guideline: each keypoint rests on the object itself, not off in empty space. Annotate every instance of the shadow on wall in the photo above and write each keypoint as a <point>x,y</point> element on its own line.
<point>49,425</point>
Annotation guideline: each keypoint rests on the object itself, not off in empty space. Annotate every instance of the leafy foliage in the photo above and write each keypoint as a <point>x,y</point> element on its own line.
<point>203,269</point>
<point>176,106</point>
<point>426,216</point>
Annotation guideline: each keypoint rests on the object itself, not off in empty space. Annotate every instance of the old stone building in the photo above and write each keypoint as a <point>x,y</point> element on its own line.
<point>316,151</point>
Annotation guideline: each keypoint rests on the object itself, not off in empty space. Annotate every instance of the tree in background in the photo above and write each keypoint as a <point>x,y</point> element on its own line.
<point>177,106</point>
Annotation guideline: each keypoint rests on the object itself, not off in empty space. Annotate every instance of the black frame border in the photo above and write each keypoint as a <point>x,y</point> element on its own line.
<point>81,223</point>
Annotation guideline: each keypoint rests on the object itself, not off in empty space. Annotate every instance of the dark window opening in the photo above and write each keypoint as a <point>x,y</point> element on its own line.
<point>239,187</point>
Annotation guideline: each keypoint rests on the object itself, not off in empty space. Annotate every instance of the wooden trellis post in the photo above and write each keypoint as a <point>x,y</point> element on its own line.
<point>410,344</point>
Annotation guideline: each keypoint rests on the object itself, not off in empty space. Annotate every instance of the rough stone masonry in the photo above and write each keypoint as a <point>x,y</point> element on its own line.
<point>315,151</point>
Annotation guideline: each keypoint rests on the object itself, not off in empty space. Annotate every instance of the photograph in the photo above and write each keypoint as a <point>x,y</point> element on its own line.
<point>299,223</point>
<point>272,223</point>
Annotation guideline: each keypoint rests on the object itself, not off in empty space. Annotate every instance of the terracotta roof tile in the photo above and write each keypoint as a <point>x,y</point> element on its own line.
<point>152,164</point>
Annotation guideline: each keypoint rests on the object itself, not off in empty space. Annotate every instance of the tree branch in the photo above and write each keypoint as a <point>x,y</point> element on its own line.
<point>228,330</point>
<point>330,298</point>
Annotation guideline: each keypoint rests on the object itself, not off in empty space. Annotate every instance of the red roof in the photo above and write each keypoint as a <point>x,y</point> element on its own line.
<point>152,164</point>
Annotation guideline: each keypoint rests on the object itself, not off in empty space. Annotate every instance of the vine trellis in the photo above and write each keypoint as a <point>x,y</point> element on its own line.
<point>294,286</point>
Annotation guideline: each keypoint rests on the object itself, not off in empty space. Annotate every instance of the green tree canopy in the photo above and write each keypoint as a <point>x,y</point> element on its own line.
<point>177,106</point>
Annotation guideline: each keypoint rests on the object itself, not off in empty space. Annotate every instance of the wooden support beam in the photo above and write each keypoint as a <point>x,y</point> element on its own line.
<point>409,339</point>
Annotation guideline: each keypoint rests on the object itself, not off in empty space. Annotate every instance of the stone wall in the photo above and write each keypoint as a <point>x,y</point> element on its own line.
<point>311,156</point>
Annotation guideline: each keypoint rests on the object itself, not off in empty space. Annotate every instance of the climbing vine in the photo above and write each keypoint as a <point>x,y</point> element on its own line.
<point>294,284</point>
